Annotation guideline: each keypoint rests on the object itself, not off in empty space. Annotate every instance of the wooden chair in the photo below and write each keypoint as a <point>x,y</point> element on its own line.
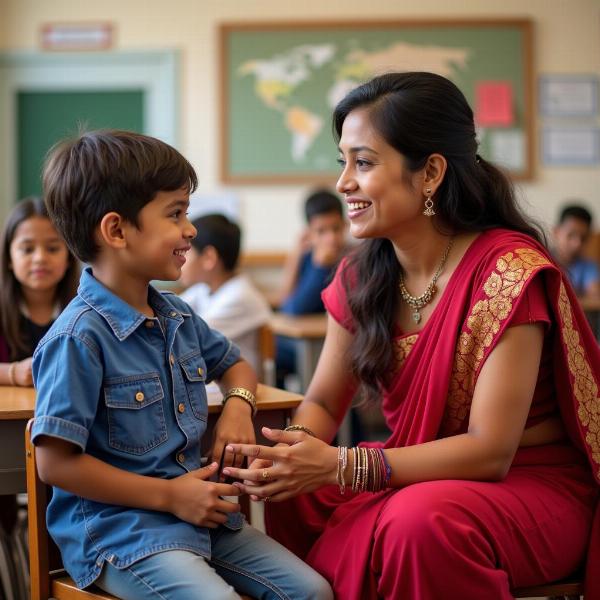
<point>266,352</point>
<point>47,575</point>
<point>570,588</point>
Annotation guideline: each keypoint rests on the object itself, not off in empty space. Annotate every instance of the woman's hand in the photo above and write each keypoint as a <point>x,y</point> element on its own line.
<point>234,426</point>
<point>304,465</point>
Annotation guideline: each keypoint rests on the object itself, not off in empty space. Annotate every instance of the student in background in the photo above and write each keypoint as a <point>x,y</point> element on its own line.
<point>309,269</point>
<point>38,278</point>
<point>121,400</point>
<point>224,298</point>
<point>570,236</point>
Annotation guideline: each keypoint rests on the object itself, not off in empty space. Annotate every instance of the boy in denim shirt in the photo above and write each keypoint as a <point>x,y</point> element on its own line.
<point>121,398</point>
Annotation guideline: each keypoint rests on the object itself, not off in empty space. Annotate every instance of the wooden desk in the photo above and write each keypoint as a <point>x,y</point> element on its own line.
<point>309,332</point>
<point>591,307</point>
<point>590,304</point>
<point>16,408</point>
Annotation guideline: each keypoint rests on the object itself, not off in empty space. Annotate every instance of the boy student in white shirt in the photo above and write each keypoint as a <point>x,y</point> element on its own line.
<point>224,298</point>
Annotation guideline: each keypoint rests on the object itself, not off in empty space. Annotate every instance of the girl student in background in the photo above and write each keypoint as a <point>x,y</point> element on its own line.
<point>38,278</point>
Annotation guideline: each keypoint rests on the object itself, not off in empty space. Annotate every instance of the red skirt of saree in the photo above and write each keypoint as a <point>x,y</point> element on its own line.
<point>467,539</point>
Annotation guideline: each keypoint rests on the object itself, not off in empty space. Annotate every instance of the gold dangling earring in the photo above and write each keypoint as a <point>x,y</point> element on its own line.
<point>428,212</point>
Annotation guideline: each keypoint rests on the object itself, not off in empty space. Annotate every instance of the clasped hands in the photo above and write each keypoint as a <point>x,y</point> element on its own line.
<point>297,464</point>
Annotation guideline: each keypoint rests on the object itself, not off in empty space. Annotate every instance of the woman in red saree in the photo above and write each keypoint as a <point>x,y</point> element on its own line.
<point>489,384</point>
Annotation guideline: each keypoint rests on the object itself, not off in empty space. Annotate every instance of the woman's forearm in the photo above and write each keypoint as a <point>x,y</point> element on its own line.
<point>318,419</point>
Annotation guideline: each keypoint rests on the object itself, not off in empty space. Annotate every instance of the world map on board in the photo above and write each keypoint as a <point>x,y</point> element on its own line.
<point>279,82</point>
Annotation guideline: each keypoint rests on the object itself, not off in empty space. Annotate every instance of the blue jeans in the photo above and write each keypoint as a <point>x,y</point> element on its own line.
<point>247,560</point>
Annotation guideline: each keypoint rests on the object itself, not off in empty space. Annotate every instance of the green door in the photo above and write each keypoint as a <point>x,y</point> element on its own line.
<point>43,118</point>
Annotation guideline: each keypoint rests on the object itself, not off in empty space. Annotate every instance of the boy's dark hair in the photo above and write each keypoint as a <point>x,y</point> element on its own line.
<point>224,235</point>
<point>575,211</point>
<point>321,202</point>
<point>108,170</point>
<point>11,294</point>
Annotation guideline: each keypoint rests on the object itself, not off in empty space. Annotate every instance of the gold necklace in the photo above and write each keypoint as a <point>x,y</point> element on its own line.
<point>418,302</point>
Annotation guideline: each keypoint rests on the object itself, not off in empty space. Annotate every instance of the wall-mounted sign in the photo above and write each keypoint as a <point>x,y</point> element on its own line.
<point>77,36</point>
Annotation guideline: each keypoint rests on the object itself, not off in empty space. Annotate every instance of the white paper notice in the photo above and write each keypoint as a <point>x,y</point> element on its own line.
<point>568,97</point>
<point>507,149</point>
<point>571,145</point>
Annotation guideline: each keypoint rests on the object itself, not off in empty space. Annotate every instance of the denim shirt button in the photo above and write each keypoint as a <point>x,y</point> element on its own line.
<point>181,457</point>
<point>181,407</point>
<point>149,324</point>
<point>173,313</point>
<point>139,396</point>
<point>172,360</point>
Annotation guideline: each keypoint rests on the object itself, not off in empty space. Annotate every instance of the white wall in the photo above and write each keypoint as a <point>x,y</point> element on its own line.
<point>566,40</point>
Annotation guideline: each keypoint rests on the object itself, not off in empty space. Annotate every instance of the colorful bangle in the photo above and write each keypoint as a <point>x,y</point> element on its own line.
<point>11,373</point>
<point>300,428</point>
<point>341,468</point>
<point>244,394</point>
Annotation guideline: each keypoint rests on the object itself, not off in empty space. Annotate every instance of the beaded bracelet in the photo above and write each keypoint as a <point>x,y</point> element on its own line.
<point>244,394</point>
<point>300,428</point>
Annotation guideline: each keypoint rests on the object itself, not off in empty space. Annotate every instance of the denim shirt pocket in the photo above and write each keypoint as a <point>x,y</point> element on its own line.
<point>194,371</point>
<point>136,418</point>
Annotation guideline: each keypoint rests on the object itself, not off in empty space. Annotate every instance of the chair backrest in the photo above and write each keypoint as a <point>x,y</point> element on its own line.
<point>266,352</point>
<point>43,554</point>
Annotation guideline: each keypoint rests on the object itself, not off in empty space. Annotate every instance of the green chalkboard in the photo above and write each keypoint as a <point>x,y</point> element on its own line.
<point>280,82</point>
<point>44,117</point>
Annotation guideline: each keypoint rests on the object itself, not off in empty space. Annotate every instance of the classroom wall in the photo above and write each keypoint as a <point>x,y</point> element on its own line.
<point>566,40</point>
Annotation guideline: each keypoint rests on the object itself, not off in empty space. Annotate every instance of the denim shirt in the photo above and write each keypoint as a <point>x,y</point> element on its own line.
<point>130,391</point>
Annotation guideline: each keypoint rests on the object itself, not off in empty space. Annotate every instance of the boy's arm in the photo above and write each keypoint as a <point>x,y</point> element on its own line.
<point>235,421</point>
<point>190,497</point>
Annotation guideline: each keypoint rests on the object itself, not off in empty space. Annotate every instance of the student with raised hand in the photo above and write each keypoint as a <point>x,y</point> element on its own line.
<point>454,320</point>
<point>121,407</point>
<point>224,298</point>
<point>309,268</point>
<point>570,235</point>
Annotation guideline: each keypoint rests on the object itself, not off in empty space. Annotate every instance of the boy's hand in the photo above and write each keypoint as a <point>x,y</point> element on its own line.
<point>197,501</point>
<point>325,254</point>
<point>234,426</point>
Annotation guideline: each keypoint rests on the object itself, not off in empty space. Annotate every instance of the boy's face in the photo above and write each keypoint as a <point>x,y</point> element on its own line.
<point>327,231</point>
<point>569,238</point>
<point>197,268</point>
<point>159,244</point>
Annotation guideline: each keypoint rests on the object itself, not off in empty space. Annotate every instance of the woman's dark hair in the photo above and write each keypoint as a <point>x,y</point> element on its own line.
<point>418,114</point>
<point>11,296</point>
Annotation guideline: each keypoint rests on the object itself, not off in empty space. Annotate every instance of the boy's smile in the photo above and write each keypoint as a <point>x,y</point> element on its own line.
<point>160,242</point>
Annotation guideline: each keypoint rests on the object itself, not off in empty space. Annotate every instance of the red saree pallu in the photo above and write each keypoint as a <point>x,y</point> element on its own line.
<point>468,539</point>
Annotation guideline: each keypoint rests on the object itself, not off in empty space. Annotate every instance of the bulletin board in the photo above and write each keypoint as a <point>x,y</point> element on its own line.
<point>281,81</point>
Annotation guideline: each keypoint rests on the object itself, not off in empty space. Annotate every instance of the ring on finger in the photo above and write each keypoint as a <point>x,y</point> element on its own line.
<point>265,474</point>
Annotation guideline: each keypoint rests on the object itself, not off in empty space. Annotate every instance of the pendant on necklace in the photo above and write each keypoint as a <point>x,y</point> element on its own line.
<point>416,317</point>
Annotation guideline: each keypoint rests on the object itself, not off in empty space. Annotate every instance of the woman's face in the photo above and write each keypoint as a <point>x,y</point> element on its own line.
<point>383,197</point>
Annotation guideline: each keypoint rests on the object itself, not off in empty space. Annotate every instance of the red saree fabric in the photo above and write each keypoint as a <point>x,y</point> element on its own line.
<point>466,539</point>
